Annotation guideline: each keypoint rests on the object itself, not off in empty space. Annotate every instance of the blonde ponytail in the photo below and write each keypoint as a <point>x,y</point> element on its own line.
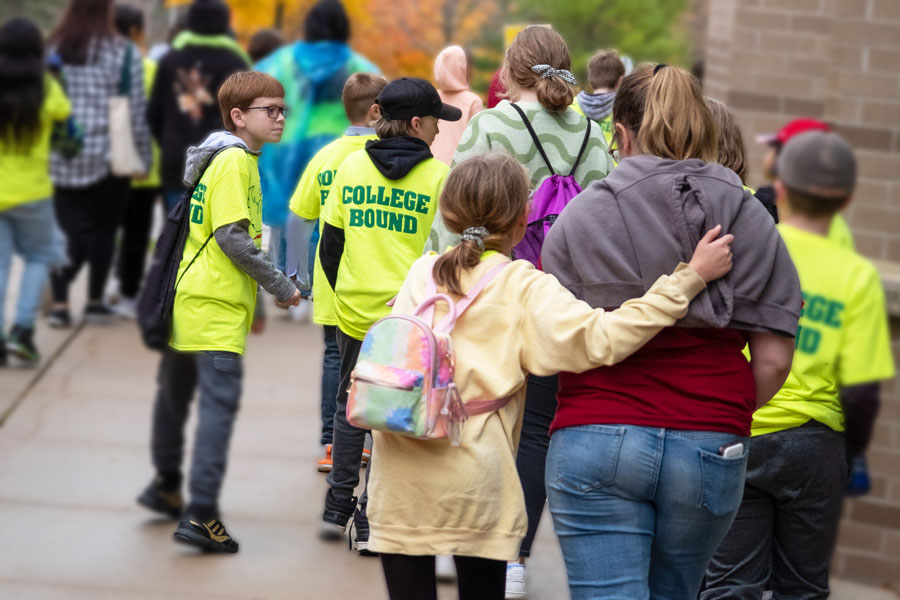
<point>677,123</point>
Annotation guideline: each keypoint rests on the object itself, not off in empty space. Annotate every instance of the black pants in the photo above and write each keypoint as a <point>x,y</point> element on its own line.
<point>135,238</point>
<point>219,376</point>
<point>540,407</point>
<point>784,532</point>
<point>89,217</point>
<point>348,441</point>
<point>412,577</point>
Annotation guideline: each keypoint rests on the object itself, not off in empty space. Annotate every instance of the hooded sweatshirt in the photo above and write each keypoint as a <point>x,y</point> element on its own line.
<point>451,79</point>
<point>596,106</point>
<point>313,75</point>
<point>385,200</point>
<point>622,232</point>
<point>183,108</point>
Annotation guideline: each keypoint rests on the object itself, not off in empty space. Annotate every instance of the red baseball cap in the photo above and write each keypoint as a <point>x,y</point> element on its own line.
<point>790,130</point>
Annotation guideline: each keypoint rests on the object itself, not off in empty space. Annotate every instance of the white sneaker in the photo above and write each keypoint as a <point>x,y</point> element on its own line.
<point>515,581</point>
<point>445,568</point>
<point>126,308</point>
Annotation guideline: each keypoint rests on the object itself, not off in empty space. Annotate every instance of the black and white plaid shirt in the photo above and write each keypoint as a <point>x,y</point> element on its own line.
<point>89,88</point>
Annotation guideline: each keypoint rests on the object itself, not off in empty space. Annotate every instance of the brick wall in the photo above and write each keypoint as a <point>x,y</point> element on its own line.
<point>838,60</point>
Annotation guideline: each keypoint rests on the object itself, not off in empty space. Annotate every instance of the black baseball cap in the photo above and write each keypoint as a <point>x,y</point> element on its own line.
<point>408,97</point>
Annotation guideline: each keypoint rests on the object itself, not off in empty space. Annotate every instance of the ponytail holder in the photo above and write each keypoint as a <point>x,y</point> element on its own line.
<point>475,234</point>
<point>659,67</point>
<point>546,71</point>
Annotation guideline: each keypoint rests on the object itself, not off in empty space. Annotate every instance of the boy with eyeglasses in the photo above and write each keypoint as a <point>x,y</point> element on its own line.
<point>215,300</point>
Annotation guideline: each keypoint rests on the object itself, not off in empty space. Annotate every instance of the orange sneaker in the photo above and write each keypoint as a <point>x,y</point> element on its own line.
<point>366,456</point>
<point>324,464</point>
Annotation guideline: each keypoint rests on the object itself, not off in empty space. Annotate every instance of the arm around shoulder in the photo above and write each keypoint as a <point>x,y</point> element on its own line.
<point>562,333</point>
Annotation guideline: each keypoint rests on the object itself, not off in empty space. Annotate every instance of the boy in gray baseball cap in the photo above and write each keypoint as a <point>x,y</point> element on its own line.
<point>784,533</point>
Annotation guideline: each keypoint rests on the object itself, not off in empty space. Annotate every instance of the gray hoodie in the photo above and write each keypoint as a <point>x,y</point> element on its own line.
<point>621,233</point>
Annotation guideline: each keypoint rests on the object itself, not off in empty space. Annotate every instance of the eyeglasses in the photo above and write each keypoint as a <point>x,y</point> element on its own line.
<point>272,111</point>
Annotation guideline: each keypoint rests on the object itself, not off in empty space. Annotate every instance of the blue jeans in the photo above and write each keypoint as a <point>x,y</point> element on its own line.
<point>639,511</point>
<point>29,230</point>
<point>331,379</point>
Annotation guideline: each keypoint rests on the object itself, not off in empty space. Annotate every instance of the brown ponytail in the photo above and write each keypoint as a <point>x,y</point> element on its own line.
<point>665,110</point>
<point>489,191</point>
<point>539,45</point>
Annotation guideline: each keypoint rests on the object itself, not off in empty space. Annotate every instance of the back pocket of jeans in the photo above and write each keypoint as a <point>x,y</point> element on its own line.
<point>722,487</point>
<point>586,457</point>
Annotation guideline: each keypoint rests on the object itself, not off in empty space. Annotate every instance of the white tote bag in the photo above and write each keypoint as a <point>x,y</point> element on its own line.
<point>125,161</point>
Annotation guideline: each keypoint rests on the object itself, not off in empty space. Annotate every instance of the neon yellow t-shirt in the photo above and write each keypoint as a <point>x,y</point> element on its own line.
<point>840,233</point>
<point>606,124</point>
<point>386,224</point>
<point>25,172</point>
<point>842,338</point>
<point>310,201</point>
<point>214,300</point>
<point>153,179</point>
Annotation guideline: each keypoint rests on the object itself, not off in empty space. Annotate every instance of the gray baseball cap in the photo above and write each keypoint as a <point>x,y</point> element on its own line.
<point>818,163</point>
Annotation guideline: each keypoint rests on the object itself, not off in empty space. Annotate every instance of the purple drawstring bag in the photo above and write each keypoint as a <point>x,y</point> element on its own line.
<point>548,200</point>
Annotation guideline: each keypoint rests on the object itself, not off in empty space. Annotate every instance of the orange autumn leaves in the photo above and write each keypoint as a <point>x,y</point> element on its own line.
<point>402,37</point>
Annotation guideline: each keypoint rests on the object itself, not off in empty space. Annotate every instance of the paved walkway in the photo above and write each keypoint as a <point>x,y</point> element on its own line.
<point>73,455</point>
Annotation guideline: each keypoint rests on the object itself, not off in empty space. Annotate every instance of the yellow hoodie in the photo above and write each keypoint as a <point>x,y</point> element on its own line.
<point>428,498</point>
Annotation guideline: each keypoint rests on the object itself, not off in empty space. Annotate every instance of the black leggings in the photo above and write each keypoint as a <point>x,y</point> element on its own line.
<point>89,217</point>
<point>540,408</point>
<point>136,224</point>
<point>412,577</point>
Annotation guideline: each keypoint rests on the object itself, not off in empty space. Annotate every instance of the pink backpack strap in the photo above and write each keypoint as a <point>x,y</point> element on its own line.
<point>477,407</point>
<point>426,308</point>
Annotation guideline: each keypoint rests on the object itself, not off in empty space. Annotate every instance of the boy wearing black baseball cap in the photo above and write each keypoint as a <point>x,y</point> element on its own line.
<point>385,200</point>
<point>784,533</point>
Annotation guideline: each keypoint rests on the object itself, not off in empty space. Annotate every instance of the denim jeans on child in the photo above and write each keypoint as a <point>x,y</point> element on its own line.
<point>349,441</point>
<point>784,533</point>
<point>331,379</point>
<point>639,511</point>
<point>30,231</point>
<point>219,376</point>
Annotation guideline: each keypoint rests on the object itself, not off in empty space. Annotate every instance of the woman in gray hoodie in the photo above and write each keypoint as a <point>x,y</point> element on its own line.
<point>646,463</point>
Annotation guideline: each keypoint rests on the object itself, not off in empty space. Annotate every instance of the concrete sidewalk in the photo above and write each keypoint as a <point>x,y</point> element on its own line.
<point>74,454</point>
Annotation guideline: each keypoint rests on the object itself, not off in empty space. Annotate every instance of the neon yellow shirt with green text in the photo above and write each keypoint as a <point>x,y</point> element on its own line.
<point>386,224</point>
<point>842,338</point>
<point>214,299</point>
<point>311,200</point>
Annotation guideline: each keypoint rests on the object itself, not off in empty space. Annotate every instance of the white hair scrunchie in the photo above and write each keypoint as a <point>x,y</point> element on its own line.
<point>546,71</point>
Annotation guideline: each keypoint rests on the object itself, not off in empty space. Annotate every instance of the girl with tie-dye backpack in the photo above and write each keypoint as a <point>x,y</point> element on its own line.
<point>467,329</point>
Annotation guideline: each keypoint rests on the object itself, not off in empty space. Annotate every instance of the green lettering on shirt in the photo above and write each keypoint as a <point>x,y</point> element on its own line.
<point>197,214</point>
<point>397,198</point>
<point>409,201</point>
<point>421,204</point>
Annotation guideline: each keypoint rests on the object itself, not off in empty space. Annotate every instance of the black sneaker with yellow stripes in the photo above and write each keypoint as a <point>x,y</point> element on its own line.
<point>157,499</point>
<point>208,535</point>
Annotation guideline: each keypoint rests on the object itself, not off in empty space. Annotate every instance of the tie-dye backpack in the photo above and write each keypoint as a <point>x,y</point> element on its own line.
<point>403,379</point>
